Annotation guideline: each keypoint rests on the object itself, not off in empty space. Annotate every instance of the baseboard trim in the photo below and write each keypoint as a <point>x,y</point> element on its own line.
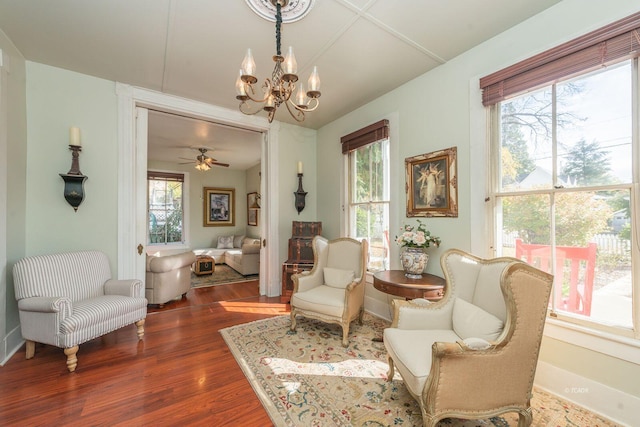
<point>11,344</point>
<point>618,406</point>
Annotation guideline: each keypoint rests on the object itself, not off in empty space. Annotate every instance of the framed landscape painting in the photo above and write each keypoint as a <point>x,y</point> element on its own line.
<point>219,207</point>
<point>432,184</point>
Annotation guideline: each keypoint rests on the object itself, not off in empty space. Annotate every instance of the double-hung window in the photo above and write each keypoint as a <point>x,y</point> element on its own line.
<point>367,152</point>
<point>565,173</point>
<point>165,208</point>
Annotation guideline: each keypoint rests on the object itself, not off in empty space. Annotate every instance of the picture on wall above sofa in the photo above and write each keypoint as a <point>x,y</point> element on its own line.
<point>219,207</point>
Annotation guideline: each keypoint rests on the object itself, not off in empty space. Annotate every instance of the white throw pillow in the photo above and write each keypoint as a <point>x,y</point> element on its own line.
<point>225,242</point>
<point>237,241</point>
<point>472,321</point>
<point>338,278</point>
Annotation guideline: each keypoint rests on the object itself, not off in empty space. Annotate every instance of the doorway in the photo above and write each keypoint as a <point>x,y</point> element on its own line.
<point>132,177</point>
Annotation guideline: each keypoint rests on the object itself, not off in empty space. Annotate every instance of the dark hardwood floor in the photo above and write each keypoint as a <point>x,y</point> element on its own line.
<point>181,373</point>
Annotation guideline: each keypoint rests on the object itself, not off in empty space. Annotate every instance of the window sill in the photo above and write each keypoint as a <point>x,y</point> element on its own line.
<point>602,342</point>
<point>171,248</point>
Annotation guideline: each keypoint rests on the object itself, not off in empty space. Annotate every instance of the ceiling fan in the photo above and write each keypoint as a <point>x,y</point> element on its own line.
<point>202,161</point>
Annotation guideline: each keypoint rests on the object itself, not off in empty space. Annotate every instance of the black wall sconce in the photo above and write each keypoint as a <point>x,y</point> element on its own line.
<point>74,179</point>
<point>300,194</point>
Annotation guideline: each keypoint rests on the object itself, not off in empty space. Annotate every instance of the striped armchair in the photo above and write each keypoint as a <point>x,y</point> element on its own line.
<point>67,299</point>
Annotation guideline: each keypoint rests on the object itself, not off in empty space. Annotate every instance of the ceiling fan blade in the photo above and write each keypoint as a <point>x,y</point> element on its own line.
<point>226,165</point>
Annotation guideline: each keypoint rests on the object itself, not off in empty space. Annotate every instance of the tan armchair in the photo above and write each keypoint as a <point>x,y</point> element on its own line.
<point>333,291</point>
<point>168,277</point>
<point>473,354</point>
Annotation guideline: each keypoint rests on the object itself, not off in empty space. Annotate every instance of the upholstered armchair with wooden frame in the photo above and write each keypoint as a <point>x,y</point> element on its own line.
<point>474,353</point>
<point>69,298</point>
<point>333,290</point>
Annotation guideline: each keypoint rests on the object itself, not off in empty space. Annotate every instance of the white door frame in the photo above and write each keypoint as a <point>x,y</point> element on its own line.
<point>130,264</point>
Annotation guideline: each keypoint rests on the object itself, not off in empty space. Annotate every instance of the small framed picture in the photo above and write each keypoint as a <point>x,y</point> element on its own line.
<point>253,208</point>
<point>432,184</point>
<point>219,207</point>
<point>252,216</point>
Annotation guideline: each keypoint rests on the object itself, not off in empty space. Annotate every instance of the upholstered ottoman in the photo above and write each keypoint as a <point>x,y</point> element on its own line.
<point>204,265</point>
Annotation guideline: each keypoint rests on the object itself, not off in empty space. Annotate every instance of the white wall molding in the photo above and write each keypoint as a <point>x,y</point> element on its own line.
<point>130,97</point>
<point>620,407</point>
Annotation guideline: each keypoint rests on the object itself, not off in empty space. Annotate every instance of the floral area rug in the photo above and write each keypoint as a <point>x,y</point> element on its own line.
<point>306,378</point>
<point>223,274</point>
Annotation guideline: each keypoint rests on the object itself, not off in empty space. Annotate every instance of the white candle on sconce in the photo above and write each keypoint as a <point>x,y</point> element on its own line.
<point>299,167</point>
<point>74,136</point>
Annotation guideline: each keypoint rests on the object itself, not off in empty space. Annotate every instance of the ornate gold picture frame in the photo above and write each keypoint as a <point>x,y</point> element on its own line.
<point>432,184</point>
<point>219,207</point>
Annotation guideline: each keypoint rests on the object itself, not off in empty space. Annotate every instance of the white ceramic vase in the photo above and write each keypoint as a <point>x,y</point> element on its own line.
<point>414,261</point>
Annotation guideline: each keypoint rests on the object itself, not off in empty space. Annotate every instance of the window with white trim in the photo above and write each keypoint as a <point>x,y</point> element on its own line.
<point>564,163</point>
<point>165,208</point>
<point>368,194</point>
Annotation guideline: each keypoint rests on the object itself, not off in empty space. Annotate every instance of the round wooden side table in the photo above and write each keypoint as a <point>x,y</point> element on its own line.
<point>394,282</point>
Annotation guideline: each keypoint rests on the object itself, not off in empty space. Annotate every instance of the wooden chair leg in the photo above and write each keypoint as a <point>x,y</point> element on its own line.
<point>140,325</point>
<point>345,334</point>
<point>30,347</point>
<point>72,360</point>
<point>293,320</point>
<point>392,369</point>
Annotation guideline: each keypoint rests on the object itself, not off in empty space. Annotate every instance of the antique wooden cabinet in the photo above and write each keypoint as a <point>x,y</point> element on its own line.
<point>300,254</point>
<point>288,270</point>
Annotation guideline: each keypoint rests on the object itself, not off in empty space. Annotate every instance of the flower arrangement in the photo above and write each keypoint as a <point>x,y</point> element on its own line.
<point>419,237</point>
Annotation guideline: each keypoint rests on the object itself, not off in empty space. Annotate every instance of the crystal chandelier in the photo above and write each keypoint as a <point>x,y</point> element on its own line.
<point>281,87</point>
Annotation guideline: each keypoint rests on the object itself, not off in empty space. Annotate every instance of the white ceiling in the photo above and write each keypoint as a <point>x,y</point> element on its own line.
<point>193,48</point>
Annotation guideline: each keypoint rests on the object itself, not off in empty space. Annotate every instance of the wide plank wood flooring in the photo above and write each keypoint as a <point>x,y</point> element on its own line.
<point>180,374</point>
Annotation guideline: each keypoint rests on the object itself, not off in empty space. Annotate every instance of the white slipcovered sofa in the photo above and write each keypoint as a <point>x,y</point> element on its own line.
<point>241,253</point>
<point>67,299</point>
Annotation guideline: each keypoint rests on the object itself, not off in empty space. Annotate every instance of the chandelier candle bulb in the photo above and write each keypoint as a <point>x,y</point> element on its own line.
<point>74,136</point>
<point>290,64</point>
<point>269,105</point>
<point>249,68</point>
<point>301,97</point>
<point>240,91</point>
<point>300,168</point>
<point>314,83</point>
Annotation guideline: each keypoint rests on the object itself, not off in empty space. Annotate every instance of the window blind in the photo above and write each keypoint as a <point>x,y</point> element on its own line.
<point>366,135</point>
<point>166,176</point>
<point>610,44</point>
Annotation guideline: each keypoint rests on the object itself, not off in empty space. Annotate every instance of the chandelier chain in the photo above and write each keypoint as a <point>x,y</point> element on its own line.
<point>278,24</point>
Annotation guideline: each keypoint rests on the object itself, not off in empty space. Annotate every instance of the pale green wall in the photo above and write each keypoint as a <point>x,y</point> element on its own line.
<point>56,100</point>
<point>434,112</point>
<point>13,199</point>
<point>295,144</point>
